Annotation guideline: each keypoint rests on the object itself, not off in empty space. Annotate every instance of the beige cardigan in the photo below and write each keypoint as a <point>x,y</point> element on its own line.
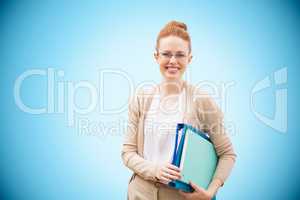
<point>201,112</point>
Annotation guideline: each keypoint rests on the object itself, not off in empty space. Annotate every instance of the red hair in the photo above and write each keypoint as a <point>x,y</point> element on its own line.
<point>174,28</point>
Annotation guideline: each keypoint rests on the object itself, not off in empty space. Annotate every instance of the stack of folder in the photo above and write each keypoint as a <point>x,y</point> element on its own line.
<point>195,155</point>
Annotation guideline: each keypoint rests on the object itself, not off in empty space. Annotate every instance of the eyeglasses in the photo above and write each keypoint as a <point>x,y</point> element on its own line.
<point>179,56</point>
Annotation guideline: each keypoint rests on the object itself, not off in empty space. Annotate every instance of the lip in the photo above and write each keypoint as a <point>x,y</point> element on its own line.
<point>172,70</point>
<point>172,67</point>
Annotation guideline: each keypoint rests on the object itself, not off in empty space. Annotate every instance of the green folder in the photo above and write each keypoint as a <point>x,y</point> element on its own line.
<point>195,155</point>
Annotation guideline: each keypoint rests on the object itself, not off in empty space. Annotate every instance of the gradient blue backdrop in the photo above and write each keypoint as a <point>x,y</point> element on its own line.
<point>43,158</point>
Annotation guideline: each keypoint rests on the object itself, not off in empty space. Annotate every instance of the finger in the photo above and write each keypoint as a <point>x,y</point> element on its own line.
<point>184,194</point>
<point>165,179</point>
<point>162,180</point>
<point>196,187</point>
<point>170,176</point>
<point>172,172</point>
<point>170,166</point>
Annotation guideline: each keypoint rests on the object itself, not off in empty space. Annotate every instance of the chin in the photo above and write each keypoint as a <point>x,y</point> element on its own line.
<point>171,78</point>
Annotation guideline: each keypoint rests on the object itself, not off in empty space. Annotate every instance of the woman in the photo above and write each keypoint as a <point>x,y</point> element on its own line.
<point>153,115</point>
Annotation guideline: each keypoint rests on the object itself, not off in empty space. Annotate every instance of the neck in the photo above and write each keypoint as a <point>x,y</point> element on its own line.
<point>171,87</point>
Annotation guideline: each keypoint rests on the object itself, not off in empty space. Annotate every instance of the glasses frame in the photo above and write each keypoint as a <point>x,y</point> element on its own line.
<point>167,55</point>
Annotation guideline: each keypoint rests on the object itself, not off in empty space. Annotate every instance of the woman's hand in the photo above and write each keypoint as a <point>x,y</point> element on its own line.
<point>198,194</point>
<point>167,173</point>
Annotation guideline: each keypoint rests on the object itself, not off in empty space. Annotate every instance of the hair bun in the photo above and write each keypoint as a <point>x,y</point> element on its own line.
<point>174,28</point>
<point>176,24</point>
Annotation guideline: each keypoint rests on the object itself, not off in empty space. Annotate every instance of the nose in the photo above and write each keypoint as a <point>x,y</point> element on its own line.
<point>173,60</point>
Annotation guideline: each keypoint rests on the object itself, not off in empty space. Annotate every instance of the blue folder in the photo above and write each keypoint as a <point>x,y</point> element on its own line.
<point>195,154</point>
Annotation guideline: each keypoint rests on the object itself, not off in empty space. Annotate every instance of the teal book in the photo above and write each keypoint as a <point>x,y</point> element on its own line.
<point>195,155</point>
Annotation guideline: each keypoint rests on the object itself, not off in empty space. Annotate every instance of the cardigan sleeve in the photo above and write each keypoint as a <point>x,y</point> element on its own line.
<point>129,154</point>
<point>212,122</point>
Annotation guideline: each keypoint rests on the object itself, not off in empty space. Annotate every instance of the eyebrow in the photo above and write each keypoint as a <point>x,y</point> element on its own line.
<point>167,51</point>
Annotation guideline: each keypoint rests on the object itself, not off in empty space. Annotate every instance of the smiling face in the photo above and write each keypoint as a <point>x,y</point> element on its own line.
<point>173,56</point>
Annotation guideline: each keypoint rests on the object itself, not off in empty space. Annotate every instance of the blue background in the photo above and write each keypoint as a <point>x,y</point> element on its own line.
<point>241,41</point>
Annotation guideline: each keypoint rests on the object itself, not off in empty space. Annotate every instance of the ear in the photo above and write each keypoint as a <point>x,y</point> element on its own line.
<point>155,55</point>
<point>190,58</point>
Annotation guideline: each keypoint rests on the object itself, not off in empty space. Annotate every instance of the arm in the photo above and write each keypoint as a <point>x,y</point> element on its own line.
<point>214,187</point>
<point>198,194</point>
<point>163,173</point>
<point>129,154</point>
<point>212,118</point>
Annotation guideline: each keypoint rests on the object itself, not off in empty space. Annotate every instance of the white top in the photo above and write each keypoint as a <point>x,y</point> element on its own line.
<point>160,127</point>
